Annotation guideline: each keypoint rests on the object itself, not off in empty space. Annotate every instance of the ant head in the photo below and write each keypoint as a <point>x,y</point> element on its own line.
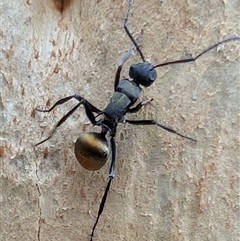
<point>143,73</point>
<point>92,150</point>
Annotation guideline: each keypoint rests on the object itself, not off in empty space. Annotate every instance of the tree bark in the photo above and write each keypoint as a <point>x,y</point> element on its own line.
<point>166,188</point>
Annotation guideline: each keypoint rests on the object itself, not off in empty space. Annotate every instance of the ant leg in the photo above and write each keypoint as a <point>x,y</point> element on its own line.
<point>59,123</point>
<point>114,158</point>
<point>111,176</point>
<point>89,110</point>
<point>101,207</point>
<point>139,106</point>
<point>125,57</point>
<point>59,102</point>
<point>153,122</point>
<point>127,30</point>
<point>63,100</point>
<point>199,55</point>
<point>88,105</point>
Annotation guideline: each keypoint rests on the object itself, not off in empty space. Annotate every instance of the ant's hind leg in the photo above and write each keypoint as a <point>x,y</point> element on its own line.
<point>111,176</point>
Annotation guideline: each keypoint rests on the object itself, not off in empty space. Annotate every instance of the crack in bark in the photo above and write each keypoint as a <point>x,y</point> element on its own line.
<point>39,206</point>
<point>62,5</point>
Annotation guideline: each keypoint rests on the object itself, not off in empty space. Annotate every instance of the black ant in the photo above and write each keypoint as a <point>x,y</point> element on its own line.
<point>92,149</point>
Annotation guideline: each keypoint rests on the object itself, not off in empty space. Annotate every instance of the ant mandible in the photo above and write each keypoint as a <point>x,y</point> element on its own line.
<point>92,149</point>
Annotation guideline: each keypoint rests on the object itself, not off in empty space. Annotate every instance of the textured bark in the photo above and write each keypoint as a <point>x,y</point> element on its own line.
<point>166,188</point>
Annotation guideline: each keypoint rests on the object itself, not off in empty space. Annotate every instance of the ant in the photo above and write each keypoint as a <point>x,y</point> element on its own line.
<point>92,149</point>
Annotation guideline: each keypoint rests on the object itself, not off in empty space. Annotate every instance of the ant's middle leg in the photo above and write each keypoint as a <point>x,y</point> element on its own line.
<point>63,119</point>
<point>77,97</point>
<point>153,122</point>
<point>89,109</point>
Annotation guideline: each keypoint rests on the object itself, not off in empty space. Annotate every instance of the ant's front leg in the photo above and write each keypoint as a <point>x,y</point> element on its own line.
<point>124,59</point>
<point>139,106</point>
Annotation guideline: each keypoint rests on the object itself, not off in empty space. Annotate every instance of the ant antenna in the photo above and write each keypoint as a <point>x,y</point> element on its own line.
<point>193,59</point>
<point>130,3</point>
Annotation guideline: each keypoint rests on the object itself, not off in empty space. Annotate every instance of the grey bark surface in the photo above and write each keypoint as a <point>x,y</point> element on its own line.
<point>166,188</point>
